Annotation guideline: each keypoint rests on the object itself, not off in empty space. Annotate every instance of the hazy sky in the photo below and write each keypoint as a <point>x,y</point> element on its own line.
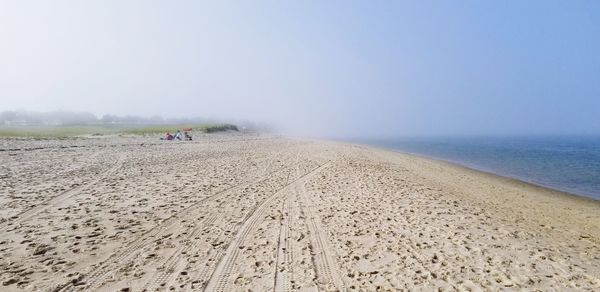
<point>312,67</point>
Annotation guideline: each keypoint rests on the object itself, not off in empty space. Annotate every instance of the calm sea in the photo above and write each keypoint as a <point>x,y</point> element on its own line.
<point>570,164</point>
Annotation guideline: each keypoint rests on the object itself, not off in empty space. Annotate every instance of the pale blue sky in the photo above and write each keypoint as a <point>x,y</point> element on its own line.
<point>338,68</point>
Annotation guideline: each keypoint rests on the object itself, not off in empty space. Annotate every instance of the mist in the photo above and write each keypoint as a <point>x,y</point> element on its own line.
<point>67,118</point>
<point>333,69</point>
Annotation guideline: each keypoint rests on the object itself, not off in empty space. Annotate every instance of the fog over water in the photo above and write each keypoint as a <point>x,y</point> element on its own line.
<point>334,68</point>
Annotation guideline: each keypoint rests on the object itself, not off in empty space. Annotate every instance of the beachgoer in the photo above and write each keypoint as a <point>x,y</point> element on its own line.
<point>187,136</point>
<point>178,135</point>
<point>168,136</point>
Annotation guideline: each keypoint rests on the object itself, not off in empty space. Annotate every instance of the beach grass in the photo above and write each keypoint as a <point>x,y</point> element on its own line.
<point>74,131</point>
<point>207,128</point>
<point>54,131</point>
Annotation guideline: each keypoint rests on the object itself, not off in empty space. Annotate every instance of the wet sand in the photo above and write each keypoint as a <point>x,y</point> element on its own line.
<point>233,212</point>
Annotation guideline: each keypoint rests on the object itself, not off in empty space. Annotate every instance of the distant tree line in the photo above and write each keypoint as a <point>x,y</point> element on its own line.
<point>67,118</point>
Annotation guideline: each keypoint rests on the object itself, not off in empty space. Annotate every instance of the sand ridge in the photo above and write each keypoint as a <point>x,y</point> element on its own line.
<point>257,212</point>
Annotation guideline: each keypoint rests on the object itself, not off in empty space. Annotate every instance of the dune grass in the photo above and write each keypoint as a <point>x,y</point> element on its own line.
<point>74,131</point>
<point>207,128</point>
<point>54,132</point>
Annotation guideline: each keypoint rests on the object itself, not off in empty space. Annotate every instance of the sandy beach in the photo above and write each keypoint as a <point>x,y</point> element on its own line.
<point>241,212</point>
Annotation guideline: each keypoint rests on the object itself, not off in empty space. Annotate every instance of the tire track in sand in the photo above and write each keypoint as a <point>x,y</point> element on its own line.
<point>284,274</point>
<point>173,265</point>
<point>284,270</point>
<point>199,278</point>
<point>202,276</point>
<point>324,263</point>
<point>29,213</point>
<point>79,165</point>
<point>96,278</point>
<point>221,278</point>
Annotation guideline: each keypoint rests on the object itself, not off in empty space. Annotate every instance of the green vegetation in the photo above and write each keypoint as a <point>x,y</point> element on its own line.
<point>220,128</point>
<point>53,132</point>
<point>73,131</point>
<point>207,128</point>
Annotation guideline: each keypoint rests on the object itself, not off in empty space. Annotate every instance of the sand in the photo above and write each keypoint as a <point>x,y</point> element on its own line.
<point>239,212</point>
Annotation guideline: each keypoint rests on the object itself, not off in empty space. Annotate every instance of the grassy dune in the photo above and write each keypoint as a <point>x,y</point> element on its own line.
<point>74,131</point>
<point>54,132</point>
<point>207,128</point>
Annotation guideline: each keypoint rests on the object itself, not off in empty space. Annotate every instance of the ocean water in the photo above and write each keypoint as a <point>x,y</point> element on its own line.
<point>570,164</point>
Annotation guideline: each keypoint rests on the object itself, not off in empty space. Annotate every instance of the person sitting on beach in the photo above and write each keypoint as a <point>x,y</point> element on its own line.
<point>168,136</point>
<point>187,136</point>
<point>178,135</point>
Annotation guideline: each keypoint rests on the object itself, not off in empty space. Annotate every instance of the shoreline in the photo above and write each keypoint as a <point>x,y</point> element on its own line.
<point>467,167</point>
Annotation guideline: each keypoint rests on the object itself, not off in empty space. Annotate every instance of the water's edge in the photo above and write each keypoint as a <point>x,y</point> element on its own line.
<point>453,163</point>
